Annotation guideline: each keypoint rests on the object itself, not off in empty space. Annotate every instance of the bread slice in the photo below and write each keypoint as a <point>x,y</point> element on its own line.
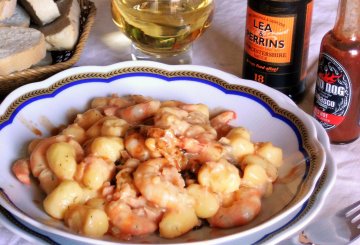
<point>46,61</point>
<point>63,33</point>
<point>41,12</point>
<point>20,48</point>
<point>19,18</point>
<point>7,8</point>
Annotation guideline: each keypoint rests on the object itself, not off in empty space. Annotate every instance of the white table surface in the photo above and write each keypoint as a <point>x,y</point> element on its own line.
<point>221,47</point>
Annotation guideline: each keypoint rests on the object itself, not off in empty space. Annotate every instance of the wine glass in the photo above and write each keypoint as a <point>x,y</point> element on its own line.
<point>162,30</point>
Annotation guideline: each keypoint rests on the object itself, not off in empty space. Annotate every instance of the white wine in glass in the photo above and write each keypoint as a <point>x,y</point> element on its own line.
<point>162,30</point>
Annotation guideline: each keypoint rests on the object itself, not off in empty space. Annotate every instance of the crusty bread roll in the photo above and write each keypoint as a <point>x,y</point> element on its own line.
<point>63,33</point>
<point>41,12</point>
<point>7,8</point>
<point>19,18</point>
<point>20,48</point>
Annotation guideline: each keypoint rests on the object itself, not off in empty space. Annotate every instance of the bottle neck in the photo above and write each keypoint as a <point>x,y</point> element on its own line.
<point>347,25</point>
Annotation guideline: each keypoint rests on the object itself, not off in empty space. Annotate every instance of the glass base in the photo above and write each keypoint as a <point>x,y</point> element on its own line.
<point>171,59</point>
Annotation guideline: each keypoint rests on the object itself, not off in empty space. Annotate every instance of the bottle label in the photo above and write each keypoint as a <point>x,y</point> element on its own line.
<point>269,38</point>
<point>308,19</point>
<point>332,92</point>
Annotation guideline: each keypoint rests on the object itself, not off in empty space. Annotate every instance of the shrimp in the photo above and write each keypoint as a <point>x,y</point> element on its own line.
<point>244,208</point>
<point>171,103</point>
<point>114,127</point>
<point>88,118</point>
<point>119,102</point>
<point>172,118</point>
<point>110,105</point>
<point>32,145</point>
<point>21,170</point>
<point>75,131</point>
<point>108,126</point>
<point>212,151</point>
<point>221,122</point>
<point>135,145</point>
<point>162,184</point>
<point>164,143</point>
<point>201,108</point>
<point>190,145</point>
<point>203,133</point>
<point>132,217</point>
<point>203,152</point>
<point>124,187</point>
<point>198,113</point>
<point>139,112</point>
<point>124,181</point>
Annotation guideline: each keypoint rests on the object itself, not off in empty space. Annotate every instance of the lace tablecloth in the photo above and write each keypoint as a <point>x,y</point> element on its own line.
<point>221,47</point>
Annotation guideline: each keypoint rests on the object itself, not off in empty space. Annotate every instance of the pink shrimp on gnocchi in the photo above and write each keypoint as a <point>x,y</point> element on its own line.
<point>133,165</point>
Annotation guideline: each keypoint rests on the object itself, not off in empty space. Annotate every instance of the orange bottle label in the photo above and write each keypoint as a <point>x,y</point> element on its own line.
<point>309,9</point>
<point>269,38</point>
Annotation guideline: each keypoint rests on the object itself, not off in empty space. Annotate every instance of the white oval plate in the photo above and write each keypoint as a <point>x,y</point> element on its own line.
<point>35,109</point>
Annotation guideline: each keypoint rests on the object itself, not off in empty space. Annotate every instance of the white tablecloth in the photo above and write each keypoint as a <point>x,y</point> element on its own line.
<point>221,47</point>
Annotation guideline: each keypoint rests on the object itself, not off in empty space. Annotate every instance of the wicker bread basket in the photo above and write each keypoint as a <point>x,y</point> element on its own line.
<point>61,59</point>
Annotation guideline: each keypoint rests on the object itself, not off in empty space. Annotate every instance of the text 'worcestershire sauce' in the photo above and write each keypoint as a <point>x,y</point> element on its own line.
<point>276,44</point>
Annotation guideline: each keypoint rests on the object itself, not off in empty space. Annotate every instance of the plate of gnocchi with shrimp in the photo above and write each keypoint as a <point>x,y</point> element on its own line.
<point>142,152</point>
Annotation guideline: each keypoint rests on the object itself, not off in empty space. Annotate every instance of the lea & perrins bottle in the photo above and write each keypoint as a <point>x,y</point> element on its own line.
<point>337,91</point>
<point>277,43</point>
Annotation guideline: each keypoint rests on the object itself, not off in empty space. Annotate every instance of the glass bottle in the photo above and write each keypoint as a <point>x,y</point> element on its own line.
<point>277,44</point>
<point>337,92</point>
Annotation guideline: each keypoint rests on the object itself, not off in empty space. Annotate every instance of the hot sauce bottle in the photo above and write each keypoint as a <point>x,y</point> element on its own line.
<point>277,43</point>
<point>337,91</point>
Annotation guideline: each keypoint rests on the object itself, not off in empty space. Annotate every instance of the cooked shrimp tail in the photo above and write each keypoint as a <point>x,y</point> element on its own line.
<point>21,169</point>
<point>245,207</point>
<point>221,122</point>
<point>132,219</point>
<point>139,112</point>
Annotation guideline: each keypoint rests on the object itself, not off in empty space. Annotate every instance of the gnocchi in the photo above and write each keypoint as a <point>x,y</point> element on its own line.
<point>177,222</point>
<point>67,193</point>
<point>220,176</point>
<point>258,173</point>
<point>107,147</point>
<point>86,220</point>
<point>61,159</point>
<point>131,166</point>
<point>271,153</point>
<point>96,172</point>
<point>206,202</point>
<point>239,140</point>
